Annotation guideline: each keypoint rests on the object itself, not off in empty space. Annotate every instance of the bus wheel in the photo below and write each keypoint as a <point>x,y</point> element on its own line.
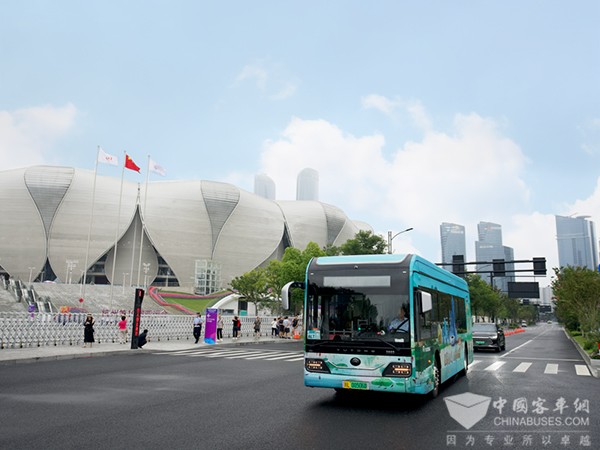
<point>437,378</point>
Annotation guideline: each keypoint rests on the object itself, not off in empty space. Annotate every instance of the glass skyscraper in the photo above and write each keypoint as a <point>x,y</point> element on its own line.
<point>576,239</point>
<point>307,186</point>
<point>264,186</point>
<point>489,247</point>
<point>452,237</point>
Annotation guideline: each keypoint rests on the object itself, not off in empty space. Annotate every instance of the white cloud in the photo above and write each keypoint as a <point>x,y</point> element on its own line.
<point>270,79</point>
<point>590,134</point>
<point>28,134</point>
<point>397,108</point>
<point>256,73</point>
<point>471,174</point>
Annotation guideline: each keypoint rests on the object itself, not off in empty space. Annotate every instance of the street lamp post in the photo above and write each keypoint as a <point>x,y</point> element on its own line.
<point>391,238</point>
<point>71,264</point>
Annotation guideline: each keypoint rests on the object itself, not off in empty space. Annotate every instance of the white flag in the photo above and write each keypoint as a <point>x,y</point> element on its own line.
<point>105,158</point>
<point>157,168</point>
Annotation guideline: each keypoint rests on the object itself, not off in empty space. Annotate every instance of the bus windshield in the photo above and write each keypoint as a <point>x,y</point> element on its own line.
<point>371,306</point>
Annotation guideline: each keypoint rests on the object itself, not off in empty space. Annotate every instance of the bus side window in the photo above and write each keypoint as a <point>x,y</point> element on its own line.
<point>424,324</point>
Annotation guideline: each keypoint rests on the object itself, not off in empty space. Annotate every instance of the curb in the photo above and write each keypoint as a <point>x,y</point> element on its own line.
<point>591,365</point>
<point>128,351</point>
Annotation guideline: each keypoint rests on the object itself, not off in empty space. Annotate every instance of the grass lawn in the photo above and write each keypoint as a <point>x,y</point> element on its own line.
<point>581,341</point>
<point>196,305</point>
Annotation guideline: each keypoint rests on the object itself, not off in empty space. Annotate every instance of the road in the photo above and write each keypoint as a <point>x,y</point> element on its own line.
<point>253,397</point>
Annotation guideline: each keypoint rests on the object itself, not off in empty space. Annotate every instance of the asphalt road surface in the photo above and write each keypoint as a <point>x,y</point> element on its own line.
<point>537,393</point>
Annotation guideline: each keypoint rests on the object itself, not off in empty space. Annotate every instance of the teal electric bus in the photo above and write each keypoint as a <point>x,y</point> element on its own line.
<point>393,323</point>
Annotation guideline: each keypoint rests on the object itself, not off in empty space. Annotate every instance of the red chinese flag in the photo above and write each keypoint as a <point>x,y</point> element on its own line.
<point>129,164</point>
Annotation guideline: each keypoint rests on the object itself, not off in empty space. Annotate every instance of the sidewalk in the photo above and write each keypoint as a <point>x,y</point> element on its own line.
<point>46,353</point>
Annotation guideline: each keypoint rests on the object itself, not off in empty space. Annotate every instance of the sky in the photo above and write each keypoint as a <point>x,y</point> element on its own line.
<point>413,113</point>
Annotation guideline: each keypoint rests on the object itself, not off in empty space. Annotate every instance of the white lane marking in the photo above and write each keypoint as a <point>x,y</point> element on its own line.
<point>551,369</point>
<point>477,361</point>
<point>495,366</point>
<point>516,348</point>
<point>296,359</point>
<point>582,370</point>
<point>290,354</point>
<point>268,355</point>
<point>226,352</point>
<point>244,355</point>
<point>522,367</point>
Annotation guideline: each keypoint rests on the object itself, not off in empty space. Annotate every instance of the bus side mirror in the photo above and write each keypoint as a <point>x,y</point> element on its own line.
<point>285,293</point>
<point>425,302</point>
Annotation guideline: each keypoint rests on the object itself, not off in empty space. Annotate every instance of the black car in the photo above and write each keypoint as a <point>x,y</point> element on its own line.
<point>488,335</point>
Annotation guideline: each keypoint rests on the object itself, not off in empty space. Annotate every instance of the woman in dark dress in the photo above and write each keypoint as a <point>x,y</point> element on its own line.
<point>88,331</point>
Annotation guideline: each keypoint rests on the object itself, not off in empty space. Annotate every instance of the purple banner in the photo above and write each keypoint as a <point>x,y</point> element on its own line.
<point>210,332</point>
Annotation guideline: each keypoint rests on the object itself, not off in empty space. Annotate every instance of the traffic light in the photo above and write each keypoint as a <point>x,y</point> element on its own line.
<point>539,266</point>
<point>499,268</point>
<point>458,264</point>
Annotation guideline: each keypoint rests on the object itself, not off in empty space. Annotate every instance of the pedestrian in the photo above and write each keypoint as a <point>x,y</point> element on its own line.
<point>237,326</point>
<point>88,331</point>
<point>294,326</point>
<point>219,329</point>
<point>257,322</point>
<point>274,328</point>
<point>198,326</point>
<point>122,330</point>
<point>286,327</point>
<point>143,339</point>
<point>280,326</point>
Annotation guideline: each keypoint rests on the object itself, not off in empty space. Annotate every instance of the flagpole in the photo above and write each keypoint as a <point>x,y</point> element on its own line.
<point>87,251</point>
<point>112,276</point>
<point>142,219</point>
<point>133,241</point>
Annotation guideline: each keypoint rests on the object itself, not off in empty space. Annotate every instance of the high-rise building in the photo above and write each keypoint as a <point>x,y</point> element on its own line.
<point>488,248</point>
<point>452,237</point>
<point>576,240</point>
<point>264,186</point>
<point>307,186</point>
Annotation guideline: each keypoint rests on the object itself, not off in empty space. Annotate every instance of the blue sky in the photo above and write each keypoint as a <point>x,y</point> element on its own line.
<point>414,113</point>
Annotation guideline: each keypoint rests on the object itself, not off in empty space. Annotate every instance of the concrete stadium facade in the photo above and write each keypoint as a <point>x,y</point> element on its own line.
<point>47,217</point>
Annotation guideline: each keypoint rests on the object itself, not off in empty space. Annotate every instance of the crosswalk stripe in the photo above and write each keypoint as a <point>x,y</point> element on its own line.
<point>551,369</point>
<point>265,356</point>
<point>290,354</point>
<point>495,366</point>
<point>226,352</point>
<point>243,355</point>
<point>477,361</point>
<point>582,370</point>
<point>203,353</point>
<point>522,367</point>
<point>296,359</point>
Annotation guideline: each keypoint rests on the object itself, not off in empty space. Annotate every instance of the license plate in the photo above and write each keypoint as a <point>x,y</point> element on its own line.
<point>356,385</point>
<point>480,342</point>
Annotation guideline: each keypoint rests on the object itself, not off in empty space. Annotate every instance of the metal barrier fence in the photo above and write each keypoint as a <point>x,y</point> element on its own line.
<point>20,330</point>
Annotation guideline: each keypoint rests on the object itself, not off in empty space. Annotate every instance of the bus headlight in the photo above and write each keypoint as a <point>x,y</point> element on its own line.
<point>398,370</point>
<point>316,365</point>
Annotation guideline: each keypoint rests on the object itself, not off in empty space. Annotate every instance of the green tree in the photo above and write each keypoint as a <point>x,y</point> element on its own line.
<point>364,243</point>
<point>485,301</point>
<point>577,293</point>
<point>253,287</point>
<point>331,250</point>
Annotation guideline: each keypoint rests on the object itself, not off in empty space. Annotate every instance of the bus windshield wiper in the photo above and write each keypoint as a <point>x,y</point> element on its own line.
<point>381,340</point>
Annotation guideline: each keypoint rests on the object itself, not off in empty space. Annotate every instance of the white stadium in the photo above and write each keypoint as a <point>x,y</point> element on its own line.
<point>58,222</point>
